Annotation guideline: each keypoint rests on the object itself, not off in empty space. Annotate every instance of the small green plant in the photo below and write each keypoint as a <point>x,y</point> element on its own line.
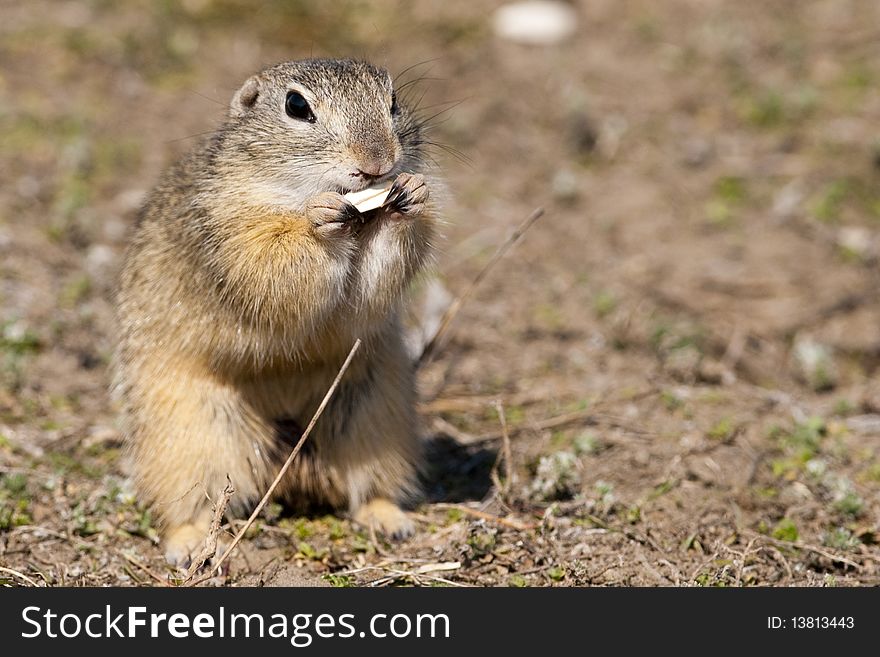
<point>604,304</point>
<point>309,552</point>
<point>804,440</point>
<point>517,581</point>
<point>454,515</point>
<point>17,339</point>
<point>337,530</point>
<point>849,503</point>
<point>83,523</point>
<point>844,407</point>
<point>692,542</point>
<point>481,542</point>
<point>786,530</point>
<point>338,581</point>
<point>14,514</point>
<point>766,110</point>
<point>301,528</point>
<point>722,430</point>
<point>75,291</point>
<point>586,443</point>
<point>557,573</point>
<point>15,484</point>
<point>829,203</point>
<point>731,189</point>
<point>841,538</point>
<point>671,401</point>
<point>661,489</point>
<point>873,472</point>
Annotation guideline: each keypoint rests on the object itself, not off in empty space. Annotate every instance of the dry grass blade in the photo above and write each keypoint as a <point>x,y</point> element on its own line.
<point>437,567</point>
<point>211,539</point>
<point>505,454</point>
<point>293,453</point>
<point>482,515</point>
<point>134,562</point>
<point>436,340</point>
<point>815,549</point>
<point>19,575</point>
<point>452,431</point>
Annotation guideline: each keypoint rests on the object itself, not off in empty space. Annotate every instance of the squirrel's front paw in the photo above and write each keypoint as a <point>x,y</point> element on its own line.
<point>408,194</point>
<point>330,213</point>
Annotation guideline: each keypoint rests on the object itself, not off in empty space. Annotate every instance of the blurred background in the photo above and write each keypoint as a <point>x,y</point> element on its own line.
<point>685,346</point>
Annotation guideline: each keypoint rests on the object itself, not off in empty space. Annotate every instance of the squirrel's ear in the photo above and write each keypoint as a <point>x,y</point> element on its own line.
<point>244,98</point>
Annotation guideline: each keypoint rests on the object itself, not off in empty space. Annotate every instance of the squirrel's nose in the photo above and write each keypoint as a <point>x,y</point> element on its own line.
<point>374,167</point>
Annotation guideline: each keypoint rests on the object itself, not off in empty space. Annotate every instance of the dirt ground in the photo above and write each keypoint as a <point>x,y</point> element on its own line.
<point>685,347</point>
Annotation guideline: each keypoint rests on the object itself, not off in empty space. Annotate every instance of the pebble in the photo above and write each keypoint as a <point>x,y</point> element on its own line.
<point>535,22</point>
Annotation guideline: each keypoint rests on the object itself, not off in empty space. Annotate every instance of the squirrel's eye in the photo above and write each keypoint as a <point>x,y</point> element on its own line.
<point>395,109</point>
<point>297,107</point>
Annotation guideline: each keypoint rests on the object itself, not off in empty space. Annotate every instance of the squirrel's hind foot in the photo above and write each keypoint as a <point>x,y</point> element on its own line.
<point>386,517</point>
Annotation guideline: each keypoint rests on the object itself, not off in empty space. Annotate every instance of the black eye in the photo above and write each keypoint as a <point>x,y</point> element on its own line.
<point>395,108</point>
<point>297,107</point>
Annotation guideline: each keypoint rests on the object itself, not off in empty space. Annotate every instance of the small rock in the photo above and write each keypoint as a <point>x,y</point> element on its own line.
<point>565,186</point>
<point>129,200</point>
<point>100,261</point>
<point>696,152</point>
<point>535,22</point>
<point>28,187</point>
<point>795,493</point>
<point>814,364</point>
<point>864,425</point>
<point>788,200</point>
<point>857,240</point>
<point>715,372</point>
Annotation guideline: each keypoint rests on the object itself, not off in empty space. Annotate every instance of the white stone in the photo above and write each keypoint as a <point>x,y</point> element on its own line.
<point>535,22</point>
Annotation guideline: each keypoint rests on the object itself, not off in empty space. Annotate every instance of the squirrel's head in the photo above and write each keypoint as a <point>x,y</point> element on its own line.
<point>317,125</point>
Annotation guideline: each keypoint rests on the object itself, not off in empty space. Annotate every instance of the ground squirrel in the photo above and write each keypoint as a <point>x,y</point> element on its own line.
<point>248,280</point>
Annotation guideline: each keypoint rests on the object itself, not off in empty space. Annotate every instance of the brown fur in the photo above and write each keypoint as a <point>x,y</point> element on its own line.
<point>247,282</point>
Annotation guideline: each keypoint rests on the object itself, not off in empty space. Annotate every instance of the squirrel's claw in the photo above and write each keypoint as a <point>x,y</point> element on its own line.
<point>408,194</point>
<point>330,211</point>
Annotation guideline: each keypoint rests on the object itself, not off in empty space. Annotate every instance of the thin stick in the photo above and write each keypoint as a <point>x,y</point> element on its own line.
<point>588,417</point>
<point>162,581</point>
<point>505,454</point>
<point>452,431</point>
<point>435,342</point>
<point>482,515</point>
<point>210,547</point>
<point>804,546</point>
<point>250,521</point>
<point>416,576</point>
<point>19,575</point>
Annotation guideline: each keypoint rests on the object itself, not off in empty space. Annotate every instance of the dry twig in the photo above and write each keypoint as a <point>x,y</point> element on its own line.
<point>130,559</point>
<point>436,340</point>
<point>211,539</point>
<point>505,454</point>
<point>21,576</point>
<point>482,515</point>
<point>805,546</point>
<point>293,453</point>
